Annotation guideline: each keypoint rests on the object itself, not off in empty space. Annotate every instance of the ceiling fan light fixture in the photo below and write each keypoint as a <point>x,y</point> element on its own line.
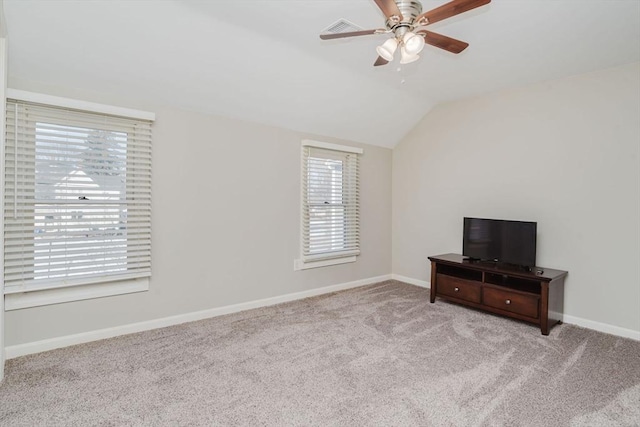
<point>413,43</point>
<point>406,57</point>
<point>387,49</point>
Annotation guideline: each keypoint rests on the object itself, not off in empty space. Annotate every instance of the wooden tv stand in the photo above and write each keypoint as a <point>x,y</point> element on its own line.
<point>534,296</point>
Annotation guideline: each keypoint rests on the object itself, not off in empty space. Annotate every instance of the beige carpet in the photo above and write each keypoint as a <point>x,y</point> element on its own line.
<point>376,355</point>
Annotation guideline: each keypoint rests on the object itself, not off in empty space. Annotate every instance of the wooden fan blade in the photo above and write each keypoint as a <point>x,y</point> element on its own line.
<point>349,34</point>
<point>389,8</point>
<point>380,61</point>
<point>443,42</point>
<point>448,10</point>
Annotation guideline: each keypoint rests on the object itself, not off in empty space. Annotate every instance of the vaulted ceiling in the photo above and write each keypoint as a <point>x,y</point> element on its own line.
<point>263,60</point>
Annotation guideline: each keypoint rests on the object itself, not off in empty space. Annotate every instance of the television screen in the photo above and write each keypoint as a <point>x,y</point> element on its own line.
<point>510,242</point>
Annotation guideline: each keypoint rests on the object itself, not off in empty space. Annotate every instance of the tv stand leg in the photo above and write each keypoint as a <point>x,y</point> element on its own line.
<point>545,327</point>
<point>433,285</point>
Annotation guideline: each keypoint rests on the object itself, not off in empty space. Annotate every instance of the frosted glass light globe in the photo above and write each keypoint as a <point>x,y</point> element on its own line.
<point>413,43</point>
<point>387,49</point>
<point>406,57</point>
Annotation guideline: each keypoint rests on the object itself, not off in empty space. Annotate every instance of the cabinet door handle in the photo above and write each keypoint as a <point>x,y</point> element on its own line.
<point>456,289</point>
<point>508,302</point>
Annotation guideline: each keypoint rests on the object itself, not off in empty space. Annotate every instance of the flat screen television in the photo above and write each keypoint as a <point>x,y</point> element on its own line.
<point>502,241</point>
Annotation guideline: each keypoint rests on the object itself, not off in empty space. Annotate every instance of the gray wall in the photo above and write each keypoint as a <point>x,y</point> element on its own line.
<point>564,153</point>
<point>226,197</point>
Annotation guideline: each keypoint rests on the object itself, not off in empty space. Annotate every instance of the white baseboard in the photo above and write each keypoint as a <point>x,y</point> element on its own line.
<point>64,341</point>
<point>566,318</point>
<point>411,281</point>
<point>602,327</point>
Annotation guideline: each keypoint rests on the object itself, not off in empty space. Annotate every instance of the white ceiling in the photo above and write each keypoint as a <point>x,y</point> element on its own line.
<point>263,61</point>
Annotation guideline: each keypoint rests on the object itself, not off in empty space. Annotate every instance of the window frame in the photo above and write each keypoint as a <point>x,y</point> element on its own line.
<point>335,257</point>
<point>91,288</point>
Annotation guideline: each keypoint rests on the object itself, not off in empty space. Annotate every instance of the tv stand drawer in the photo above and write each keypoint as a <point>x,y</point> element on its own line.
<point>514,302</point>
<point>458,288</point>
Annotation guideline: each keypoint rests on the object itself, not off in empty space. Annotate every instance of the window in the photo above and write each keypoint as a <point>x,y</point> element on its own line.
<point>330,227</point>
<point>77,197</point>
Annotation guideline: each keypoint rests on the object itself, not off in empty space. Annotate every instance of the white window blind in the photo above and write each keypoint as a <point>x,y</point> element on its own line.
<point>77,197</point>
<point>330,215</point>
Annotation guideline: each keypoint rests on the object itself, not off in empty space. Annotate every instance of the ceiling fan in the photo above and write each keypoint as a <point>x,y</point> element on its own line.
<point>405,20</point>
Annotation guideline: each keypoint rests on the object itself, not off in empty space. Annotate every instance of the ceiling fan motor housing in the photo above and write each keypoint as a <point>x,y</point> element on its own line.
<point>410,10</point>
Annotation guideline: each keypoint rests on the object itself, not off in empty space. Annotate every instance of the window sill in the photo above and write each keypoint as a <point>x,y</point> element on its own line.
<point>299,264</point>
<point>75,293</point>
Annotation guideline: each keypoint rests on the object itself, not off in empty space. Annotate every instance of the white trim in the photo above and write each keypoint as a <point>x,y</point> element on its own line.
<point>64,341</point>
<point>411,281</point>
<point>602,327</point>
<point>301,264</point>
<point>330,146</point>
<point>75,104</point>
<point>566,318</point>
<point>76,293</point>
<point>3,92</point>
<point>75,283</point>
